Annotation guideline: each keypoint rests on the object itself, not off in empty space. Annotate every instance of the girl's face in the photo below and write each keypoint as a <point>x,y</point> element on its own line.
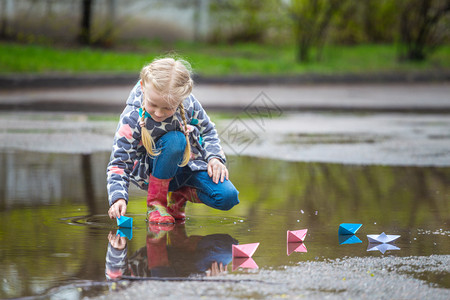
<point>156,105</point>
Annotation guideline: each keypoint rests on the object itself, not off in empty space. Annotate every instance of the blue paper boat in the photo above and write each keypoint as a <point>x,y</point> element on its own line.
<point>349,228</point>
<point>348,239</point>
<point>125,232</point>
<point>125,222</point>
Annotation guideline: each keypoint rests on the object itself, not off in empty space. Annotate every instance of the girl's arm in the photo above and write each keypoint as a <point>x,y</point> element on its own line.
<point>211,141</point>
<point>116,257</point>
<point>123,156</point>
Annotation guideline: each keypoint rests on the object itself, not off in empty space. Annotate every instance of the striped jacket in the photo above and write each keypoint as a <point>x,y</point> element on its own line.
<point>129,159</point>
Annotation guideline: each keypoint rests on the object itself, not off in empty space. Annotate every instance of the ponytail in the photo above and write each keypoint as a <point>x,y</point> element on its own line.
<point>147,140</point>
<point>187,150</point>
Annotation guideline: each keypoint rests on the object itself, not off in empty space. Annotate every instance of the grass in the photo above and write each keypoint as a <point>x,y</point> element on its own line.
<point>215,60</point>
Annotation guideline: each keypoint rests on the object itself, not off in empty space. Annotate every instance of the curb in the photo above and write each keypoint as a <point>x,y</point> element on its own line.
<point>19,81</point>
<point>73,106</point>
<point>16,81</point>
<point>423,77</point>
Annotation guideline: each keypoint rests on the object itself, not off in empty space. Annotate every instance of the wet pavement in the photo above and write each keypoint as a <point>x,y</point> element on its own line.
<point>350,278</point>
<point>386,169</point>
<point>424,97</point>
<point>417,139</point>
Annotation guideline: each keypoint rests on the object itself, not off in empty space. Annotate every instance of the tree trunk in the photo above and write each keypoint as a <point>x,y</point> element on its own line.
<point>4,22</point>
<point>85,31</point>
<point>304,46</point>
<point>418,19</point>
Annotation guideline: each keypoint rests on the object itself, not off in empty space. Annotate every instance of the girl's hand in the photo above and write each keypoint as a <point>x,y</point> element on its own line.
<point>216,269</point>
<point>217,170</point>
<point>117,241</point>
<point>118,209</point>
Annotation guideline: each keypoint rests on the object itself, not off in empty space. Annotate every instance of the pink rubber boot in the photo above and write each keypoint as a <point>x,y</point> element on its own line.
<point>157,201</point>
<point>178,199</point>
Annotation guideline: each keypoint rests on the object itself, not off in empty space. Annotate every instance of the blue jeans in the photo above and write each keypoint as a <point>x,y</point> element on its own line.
<point>221,195</point>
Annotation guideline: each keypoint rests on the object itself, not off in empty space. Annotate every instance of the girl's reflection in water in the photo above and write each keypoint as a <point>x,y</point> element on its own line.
<point>169,252</point>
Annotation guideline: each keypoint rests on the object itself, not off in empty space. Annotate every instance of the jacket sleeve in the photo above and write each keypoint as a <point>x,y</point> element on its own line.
<point>116,262</point>
<point>123,156</point>
<point>210,138</point>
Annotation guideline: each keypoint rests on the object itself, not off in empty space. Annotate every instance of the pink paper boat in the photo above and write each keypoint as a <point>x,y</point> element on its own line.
<point>296,235</point>
<point>241,262</point>
<point>245,250</point>
<point>295,247</point>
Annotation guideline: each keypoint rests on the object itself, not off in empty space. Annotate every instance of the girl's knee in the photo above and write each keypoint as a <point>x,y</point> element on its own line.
<point>176,137</point>
<point>227,199</point>
<point>174,141</point>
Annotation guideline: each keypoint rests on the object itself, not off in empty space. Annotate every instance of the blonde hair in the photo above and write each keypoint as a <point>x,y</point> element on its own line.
<point>170,78</point>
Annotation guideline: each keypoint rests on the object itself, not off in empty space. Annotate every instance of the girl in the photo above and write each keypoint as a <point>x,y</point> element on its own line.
<point>165,142</point>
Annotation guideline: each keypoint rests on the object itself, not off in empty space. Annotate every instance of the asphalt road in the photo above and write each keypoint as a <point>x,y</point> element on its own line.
<point>423,97</point>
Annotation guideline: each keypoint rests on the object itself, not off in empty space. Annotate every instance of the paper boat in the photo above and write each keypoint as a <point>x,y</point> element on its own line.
<point>382,238</point>
<point>381,247</point>
<point>125,222</point>
<point>125,232</point>
<point>245,250</point>
<point>296,235</point>
<point>296,247</point>
<point>348,228</point>
<point>242,262</point>
<point>348,239</point>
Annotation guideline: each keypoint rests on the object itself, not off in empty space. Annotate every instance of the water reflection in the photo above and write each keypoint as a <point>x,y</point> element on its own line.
<point>43,195</point>
<point>36,179</point>
<point>296,247</point>
<point>125,232</point>
<point>348,239</point>
<point>169,252</point>
<point>244,263</point>
<point>381,247</point>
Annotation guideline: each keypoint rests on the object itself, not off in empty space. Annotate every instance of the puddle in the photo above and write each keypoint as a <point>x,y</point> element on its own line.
<point>306,139</point>
<point>55,235</point>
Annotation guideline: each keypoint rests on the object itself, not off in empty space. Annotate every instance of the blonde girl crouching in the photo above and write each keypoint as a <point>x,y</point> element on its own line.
<point>165,141</point>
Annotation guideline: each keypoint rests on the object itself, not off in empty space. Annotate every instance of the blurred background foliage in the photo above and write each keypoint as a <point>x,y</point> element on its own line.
<point>414,29</point>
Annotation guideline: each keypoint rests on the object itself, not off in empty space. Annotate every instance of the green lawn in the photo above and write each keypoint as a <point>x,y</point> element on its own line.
<point>219,60</point>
